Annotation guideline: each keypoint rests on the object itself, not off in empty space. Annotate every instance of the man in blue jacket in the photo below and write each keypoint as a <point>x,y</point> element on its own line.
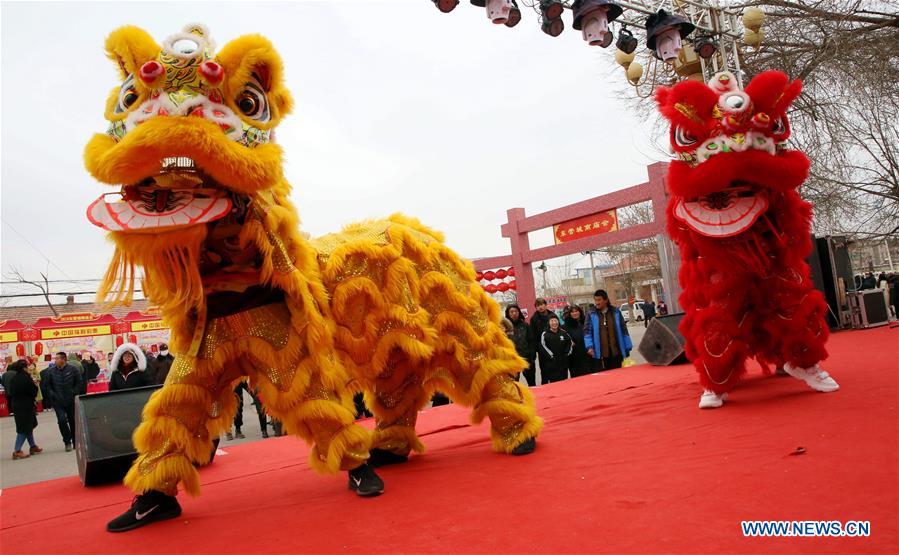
<point>605,334</point>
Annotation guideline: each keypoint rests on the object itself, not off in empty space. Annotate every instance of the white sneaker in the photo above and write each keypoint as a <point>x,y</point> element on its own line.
<point>711,400</point>
<point>817,379</point>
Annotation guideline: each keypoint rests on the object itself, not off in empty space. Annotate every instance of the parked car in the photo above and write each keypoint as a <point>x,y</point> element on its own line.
<point>625,312</point>
<point>637,311</point>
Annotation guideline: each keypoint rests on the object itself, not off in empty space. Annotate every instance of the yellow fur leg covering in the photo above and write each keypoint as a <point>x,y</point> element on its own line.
<point>513,417</point>
<point>397,439</point>
<point>179,422</point>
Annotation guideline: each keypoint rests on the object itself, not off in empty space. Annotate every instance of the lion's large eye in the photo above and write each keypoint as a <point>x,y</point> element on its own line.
<point>683,138</point>
<point>128,96</point>
<point>253,103</point>
<point>779,128</point>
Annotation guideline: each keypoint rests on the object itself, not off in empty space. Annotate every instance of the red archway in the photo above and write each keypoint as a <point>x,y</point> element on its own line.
<point>522,257</point>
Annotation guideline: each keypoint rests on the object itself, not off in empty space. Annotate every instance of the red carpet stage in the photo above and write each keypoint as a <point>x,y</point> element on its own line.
<point>626,463</point>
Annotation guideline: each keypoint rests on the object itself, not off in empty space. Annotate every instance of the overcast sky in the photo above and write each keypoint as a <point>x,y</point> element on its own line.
<point>399,107</point>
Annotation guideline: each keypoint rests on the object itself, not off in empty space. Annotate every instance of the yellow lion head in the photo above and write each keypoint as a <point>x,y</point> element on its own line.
<point>202,200</point>
<point>186,123</point>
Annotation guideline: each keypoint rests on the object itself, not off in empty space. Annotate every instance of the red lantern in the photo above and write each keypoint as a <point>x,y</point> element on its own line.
<point>490,288</point>
<point>503,287</point>
<point>513,284</point>
<point>38,349</point>
<point>132,339</point>
<point>511,272</point>
<point>479,275</point>
<point>20,350</point>
<point>489,275</point>
<point>501,274</point>
<point>119,341</point>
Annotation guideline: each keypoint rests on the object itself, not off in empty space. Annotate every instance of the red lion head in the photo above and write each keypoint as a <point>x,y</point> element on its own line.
<point>731,150</point>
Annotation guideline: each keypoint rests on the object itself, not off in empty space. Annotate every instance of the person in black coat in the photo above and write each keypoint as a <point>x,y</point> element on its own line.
<point>539,323</point>
<point>162,364</point>
<point>23,398</point>
<point>63,383</point>
<point>579,362</point>
<point>91,369</point>
<point>523,339</point>
<point>556,345</point>
<point>129,368</point>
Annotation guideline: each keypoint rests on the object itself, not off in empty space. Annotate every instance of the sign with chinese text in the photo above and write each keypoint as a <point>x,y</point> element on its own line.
<point>59,333</point>
<point>586,226</point>
<point>148,325</point>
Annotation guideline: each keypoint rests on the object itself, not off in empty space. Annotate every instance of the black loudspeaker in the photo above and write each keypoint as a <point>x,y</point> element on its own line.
<point>104,423</point>
<point>837,277</point>
<point>662,344</point>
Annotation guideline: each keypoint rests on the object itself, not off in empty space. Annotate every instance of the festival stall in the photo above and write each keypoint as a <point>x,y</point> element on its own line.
<point>82,332</point>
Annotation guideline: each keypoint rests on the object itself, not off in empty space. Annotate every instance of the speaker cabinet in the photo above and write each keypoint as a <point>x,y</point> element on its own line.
<point>662,343</point>
<point>104,423</point>
<point>869,308</point>
<point>837,277</point>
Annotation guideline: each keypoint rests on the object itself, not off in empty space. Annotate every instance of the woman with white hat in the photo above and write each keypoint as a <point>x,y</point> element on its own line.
<point>128,368</point>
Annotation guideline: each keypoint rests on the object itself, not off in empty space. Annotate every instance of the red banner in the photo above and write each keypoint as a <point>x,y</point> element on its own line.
<point>586,226</point>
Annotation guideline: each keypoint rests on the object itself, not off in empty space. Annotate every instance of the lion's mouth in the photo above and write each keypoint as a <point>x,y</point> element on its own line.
<point>179,195</point>
<point>724,213</point>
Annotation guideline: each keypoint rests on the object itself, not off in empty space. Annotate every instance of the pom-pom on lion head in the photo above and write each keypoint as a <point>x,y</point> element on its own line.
<point>731,149</point>
<point>189,128</point>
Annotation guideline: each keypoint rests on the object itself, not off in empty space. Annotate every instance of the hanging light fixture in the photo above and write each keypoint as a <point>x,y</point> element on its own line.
<point>514,15</point>
<point>664,33</point>
<point>592,18</point>
<point>551,9</point>
<point>446,6</point>
<point>705,46</point>
<point>553,27</point>
<point>551,17</point>
<point>498,11</point>
<point>627,43</point>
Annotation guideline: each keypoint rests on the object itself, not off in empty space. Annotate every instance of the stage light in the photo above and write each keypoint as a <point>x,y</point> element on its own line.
<point>592,18</point>
<point>514,15</point>
<point>551,9</point>
<point>705,46</point>
<point>627,43</point>
<point>498,11</point>
<point>553,27</point>
<point>551,17</point>
<point>446,6</point>
<point>479,3</point>
<point>664,33</point>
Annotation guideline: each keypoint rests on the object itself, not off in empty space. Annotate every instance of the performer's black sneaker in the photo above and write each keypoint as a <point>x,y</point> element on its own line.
<point>382,457</point>
<point>365,482</point>
<point>526,448</point>
<point>146,508</point>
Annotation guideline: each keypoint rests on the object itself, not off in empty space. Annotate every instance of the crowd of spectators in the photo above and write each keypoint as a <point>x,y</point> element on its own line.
<point>574,345</point>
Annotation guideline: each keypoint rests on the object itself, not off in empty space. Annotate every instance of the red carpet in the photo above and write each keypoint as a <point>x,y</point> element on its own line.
<point>626,463</point>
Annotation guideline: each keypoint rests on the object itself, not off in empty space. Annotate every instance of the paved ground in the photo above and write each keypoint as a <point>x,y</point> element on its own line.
<point>54,462</point>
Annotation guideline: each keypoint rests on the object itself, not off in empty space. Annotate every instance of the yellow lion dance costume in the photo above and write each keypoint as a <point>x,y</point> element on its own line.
<point>382,307</point>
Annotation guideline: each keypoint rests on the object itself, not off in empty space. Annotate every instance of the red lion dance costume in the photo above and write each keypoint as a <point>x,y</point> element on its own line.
<point>743,233</point>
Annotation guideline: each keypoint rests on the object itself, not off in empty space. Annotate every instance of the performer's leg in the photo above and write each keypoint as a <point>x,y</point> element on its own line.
<point>798,332</point>
<point>196,404</point>
<point>316,406</point>
<point>395,398</point>
<point>482,361</point>
<point>717,343</point>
